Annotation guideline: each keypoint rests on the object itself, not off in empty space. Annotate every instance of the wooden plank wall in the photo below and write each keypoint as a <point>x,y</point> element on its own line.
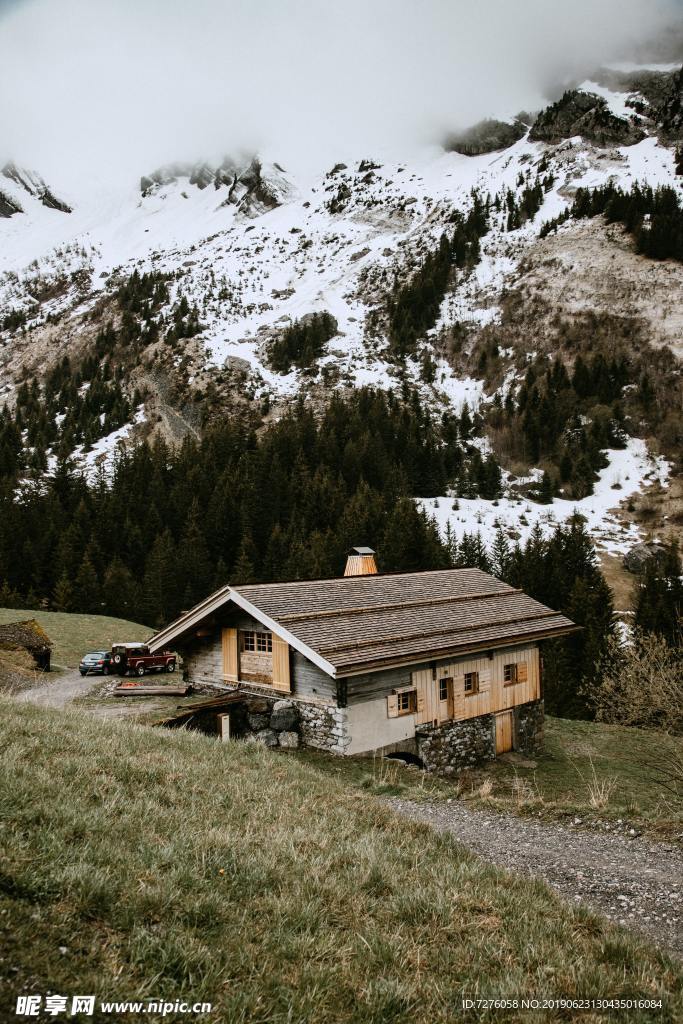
<point>493,695</point>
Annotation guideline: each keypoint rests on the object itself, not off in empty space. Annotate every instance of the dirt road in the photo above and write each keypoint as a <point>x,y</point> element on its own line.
<point>634,881</point>
<point>61,689</point>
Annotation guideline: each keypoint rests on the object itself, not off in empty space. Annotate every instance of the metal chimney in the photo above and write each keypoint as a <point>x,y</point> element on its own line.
<point>361,562</point>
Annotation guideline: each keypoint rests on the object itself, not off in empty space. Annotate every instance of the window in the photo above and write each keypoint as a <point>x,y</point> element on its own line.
<point>260,643</point>
<point>471,682</point>
<point>407,702</point>
<point>510,674</point>
<point>443,688</point>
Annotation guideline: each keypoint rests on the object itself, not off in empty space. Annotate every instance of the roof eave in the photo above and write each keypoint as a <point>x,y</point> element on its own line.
<point>201,611</point>
<point>369,667</point>
<point>293,641</point>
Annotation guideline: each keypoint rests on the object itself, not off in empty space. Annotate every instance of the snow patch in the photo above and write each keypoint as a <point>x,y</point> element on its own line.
<point>629,471</point>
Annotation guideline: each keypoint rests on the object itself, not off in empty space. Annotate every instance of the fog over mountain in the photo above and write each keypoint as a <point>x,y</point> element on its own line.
<point>114,88</point>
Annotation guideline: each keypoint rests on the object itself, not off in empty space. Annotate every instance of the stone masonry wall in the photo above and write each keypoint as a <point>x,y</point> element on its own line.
<point>323,726</point>
<point>273,722</point>
<point>529,727</point>
<point>277,721</point>
<point>452,746</point>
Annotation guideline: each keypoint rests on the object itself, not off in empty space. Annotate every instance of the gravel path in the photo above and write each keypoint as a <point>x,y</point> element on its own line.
<point>60,690</point>
<point>64,688</point>
<point>633,881</point>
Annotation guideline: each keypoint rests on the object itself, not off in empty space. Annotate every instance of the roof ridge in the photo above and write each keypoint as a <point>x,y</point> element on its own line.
<point>361,609</point>
<point>356,579</point>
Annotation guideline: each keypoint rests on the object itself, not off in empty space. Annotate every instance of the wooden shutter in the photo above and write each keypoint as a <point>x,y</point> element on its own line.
<point>392,705</point>
<point>522,672</point>
<point>420,701</point>
<point>230,670</point>
<point>281,680</point>
<point>458,684</point>
<point>485,680</point>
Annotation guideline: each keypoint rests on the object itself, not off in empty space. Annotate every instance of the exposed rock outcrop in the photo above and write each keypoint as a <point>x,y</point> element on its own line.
<point>486,137</point>
<point>8,206</point>
<point>32,183</point>
<point>640,556</point>
<point>587,115</point>
<point>671,111</point>
<point>251,187</point>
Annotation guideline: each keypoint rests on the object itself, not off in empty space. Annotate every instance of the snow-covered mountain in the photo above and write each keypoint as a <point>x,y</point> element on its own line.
<point>255,247</point>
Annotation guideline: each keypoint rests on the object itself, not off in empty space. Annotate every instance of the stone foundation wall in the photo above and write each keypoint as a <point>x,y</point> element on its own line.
<point>273,722</point>
<point>529,727</point>
<point>324,727</point>
<point>278,722</point>
<point>452,746</point>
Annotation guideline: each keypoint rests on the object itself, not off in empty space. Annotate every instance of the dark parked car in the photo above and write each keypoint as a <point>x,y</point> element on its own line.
<point>137,659</point>
<point>95,664</point>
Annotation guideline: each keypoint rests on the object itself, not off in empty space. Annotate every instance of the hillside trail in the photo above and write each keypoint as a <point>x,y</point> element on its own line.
<point>633,881</point>
<point>59,690</point>
<point>64,688</point>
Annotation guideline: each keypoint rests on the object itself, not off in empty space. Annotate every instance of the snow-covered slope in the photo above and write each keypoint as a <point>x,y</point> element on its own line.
<point>256,247</point>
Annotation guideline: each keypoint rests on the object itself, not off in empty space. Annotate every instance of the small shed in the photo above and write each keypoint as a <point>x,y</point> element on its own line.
<point>30,636</point>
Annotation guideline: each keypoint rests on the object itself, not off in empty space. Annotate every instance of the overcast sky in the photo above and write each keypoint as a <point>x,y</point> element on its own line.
<point>127,84</point>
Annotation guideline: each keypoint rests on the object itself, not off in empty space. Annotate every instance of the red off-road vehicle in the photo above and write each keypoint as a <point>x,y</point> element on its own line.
<point>136,659</point>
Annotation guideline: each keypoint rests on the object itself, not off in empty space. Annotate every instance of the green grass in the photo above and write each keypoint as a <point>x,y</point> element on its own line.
<point>578,755</point>
<point>558,784</point>
<point>73,635</point>
<point>169,865</point>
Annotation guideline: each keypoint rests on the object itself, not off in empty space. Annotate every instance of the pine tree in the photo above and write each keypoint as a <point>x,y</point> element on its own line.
<point>243,570</point>
<point>63,596</point>
<point>194,563</point>
<point>547,489</point>
<point>120,594</point>
<point>87,595</point>
<point>659,597</point>
<point>162,598</point>
<point>501,556</point>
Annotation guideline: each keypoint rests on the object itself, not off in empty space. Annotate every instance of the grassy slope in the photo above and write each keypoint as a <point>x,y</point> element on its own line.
<point>578,755</point>
<point>168,864</point>
<point>557,784</point>
<point>74,635</point>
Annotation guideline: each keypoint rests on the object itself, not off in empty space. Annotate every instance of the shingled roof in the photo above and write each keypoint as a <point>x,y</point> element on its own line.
<point>360,624</point>
<point>27,633</point>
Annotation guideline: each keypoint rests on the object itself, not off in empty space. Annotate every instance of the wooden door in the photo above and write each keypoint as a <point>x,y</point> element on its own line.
<point>504,731</point>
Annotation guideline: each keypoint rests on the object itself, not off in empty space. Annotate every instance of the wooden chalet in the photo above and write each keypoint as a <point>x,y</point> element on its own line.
<point>443,665</point>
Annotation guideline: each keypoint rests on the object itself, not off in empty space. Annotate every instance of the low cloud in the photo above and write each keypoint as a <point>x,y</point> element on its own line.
<point>117,87</point>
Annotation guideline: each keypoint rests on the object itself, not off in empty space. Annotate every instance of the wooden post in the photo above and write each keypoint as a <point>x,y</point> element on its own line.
<point>224,727</point>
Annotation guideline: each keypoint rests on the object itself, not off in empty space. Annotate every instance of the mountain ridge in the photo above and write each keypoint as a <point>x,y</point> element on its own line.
<point>245,251</point>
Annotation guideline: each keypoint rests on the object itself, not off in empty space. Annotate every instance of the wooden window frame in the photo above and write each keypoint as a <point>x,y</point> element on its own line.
<point>443,688</point>
<point>512,670</point>
<point>474,676</point>
<point>254,641</point>
<point>409,699</point>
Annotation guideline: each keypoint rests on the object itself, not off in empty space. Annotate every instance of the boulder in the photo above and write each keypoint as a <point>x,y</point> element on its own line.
<point>258,706</point>
<point>284,716</point>
<point>267,737</point>
<point>258,722</point>
<point>637,558</point>
<point>289,740</point>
